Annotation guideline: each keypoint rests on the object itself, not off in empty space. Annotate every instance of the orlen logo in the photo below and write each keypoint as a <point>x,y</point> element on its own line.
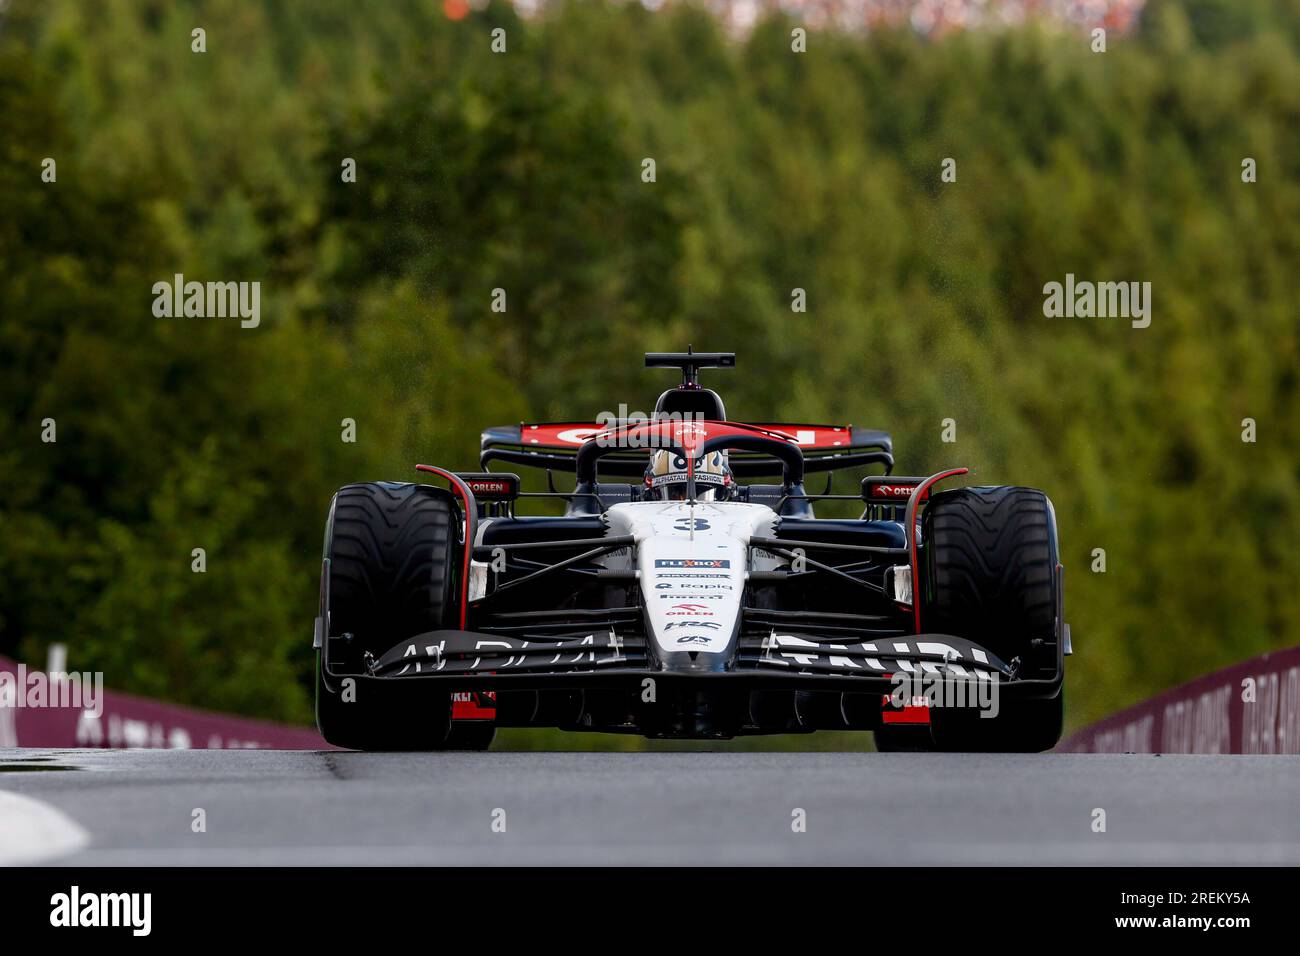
<point>895,492</point>
<point>490,487</point>
<point>689,433</point>
<point>689,610</point>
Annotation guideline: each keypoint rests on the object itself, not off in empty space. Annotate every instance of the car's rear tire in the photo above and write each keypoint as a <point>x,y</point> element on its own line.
<point>991,559</point>
<point>903,740</point>
<point>1030,725</point>
<point>391,550</point>
<point>471,735</point>
<point>1022,726</point>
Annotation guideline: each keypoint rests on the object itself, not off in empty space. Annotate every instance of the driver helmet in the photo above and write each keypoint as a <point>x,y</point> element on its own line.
<point>666,480</point>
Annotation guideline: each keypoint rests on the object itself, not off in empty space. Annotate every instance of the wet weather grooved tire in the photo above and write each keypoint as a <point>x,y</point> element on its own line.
<point>991,557</point>
<point>992,560</point>
<point>392,553</point>
<point>471,735</point>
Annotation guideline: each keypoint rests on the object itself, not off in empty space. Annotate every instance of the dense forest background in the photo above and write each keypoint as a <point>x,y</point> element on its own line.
<point>523,171</point>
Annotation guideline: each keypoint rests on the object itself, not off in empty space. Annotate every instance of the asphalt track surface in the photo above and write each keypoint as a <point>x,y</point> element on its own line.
<point>293,808</point>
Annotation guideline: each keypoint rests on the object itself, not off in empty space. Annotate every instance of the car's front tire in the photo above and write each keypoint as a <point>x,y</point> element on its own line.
<point>391,550</point>
<point>991,562</point>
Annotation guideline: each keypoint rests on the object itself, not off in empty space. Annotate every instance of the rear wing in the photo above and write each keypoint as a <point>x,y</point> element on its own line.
<point>554,446</point>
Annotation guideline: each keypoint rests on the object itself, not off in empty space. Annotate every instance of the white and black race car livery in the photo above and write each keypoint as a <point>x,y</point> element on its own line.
<point>688,599</point>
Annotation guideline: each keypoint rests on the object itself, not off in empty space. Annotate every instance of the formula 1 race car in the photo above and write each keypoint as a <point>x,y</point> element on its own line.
<point>683,602</point>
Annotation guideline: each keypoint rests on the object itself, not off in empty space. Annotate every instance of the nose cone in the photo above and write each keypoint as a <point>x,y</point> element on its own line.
<point>696,662</point>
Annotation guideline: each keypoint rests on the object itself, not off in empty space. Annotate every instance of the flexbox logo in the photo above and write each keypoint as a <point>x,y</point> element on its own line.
<point>208,300</point>
<point>75,909</point>
<point>1102,300</point>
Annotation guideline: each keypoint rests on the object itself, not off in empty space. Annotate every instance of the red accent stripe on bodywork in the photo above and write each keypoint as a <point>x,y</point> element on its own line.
<point>913,503</point>
<point>561,435</point>
<point>689,435</point>
<point>907,714</point>
<point>474,705</point>
<point>471,521</point>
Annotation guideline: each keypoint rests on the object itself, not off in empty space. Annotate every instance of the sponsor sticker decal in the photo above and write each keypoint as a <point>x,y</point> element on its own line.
<point>688,584</point>
<point>693,576</point>
<point>689,610</point>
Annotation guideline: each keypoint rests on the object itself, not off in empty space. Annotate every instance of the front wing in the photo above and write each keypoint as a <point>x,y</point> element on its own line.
<point>602,657</point>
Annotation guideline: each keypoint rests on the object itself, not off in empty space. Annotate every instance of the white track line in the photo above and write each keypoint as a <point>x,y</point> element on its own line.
<point>33,832</point>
